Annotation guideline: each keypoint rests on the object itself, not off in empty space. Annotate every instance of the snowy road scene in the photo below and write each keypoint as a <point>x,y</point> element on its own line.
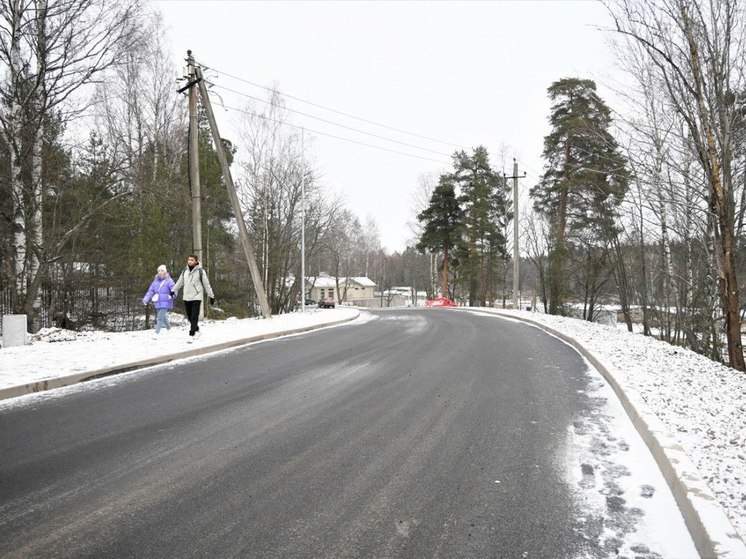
<point>426,279</point>
<point>447,433</point>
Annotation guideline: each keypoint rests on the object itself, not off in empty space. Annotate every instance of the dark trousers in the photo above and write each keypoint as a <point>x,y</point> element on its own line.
<point>192,312</point>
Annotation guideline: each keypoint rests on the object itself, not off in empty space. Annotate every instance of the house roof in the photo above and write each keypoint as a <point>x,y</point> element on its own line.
<point>330,281</point>
<point>363,281</point>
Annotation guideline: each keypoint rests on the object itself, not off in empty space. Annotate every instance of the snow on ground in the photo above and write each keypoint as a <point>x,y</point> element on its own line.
<point>56,353</point>
<point>627,507</point>
<point>701,403</point>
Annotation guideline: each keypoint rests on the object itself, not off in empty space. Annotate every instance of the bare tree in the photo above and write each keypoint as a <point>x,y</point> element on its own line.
<point>340,242</point>
<point>142,125</point>
<point>137,113</point>
<point>537,239</point>
<point>275,174</point>
<point>51,50</point>
<point>369,244</point>
<point>696,48</point>
<point>663,210</point>
<point>419,200</point>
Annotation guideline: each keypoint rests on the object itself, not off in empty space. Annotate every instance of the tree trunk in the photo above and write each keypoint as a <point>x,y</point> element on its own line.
<point>36,231</point>
<point>557,258</point>
<point>444,282</point>
<point>643,279</point>
<point>15,149</point>
<point>669,288</point>
<point>622,283</point>
<point>721,206</point>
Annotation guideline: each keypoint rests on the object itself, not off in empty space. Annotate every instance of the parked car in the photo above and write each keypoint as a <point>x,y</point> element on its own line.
<point>440,302</point>
<point>310,302</point>
<point>327,303</point>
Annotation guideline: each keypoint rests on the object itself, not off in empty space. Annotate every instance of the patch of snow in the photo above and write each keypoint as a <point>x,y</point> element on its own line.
<point>700,402</point>
<point>628,509</point>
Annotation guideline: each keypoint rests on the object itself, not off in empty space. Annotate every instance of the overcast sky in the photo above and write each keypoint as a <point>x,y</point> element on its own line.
<point>461,73</point>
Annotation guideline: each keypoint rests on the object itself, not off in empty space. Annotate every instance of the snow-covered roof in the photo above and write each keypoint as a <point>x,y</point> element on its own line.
<point>330,281</point>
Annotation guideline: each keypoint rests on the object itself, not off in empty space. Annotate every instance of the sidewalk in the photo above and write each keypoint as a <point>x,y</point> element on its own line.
<point>60,358</point>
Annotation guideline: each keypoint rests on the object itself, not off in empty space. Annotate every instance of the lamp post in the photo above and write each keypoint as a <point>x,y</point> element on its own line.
<point>303,223</point>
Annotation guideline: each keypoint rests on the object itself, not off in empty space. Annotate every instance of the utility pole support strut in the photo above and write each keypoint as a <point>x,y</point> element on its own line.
<point>242,231</point>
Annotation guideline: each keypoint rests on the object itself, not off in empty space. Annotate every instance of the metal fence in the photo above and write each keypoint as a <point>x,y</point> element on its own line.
<point>83,304</point>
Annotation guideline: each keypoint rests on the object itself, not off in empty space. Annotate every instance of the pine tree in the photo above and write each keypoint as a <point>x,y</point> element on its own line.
<point>486,207</point>
<point>584,180</point>
<point>442,222</point>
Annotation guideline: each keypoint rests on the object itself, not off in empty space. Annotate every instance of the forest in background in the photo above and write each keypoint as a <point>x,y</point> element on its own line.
<point>640,206</point>
<point>94,182</point>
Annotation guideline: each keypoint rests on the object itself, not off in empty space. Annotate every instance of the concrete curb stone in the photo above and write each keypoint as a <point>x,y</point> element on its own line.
<point>59,382</point>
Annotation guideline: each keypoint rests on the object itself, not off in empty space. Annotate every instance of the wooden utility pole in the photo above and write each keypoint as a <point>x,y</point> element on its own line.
<point>242,231</point>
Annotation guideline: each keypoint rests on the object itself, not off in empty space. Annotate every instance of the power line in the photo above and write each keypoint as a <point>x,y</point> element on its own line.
<point>361,119</point>
<point>283,123</point>
<point>534,172</point>
<point>333,123</point>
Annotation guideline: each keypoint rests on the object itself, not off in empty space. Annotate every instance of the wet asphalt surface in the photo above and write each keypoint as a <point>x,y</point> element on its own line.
<point>416,433</point>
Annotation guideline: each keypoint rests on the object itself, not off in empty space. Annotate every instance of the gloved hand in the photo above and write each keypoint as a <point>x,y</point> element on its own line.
<point>212,300</point>
<point>172,294</point>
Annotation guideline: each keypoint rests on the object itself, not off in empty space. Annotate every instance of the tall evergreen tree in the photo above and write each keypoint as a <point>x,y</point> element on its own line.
<point>486,207</point>
<point>584,179</point>
<point>442,221</point>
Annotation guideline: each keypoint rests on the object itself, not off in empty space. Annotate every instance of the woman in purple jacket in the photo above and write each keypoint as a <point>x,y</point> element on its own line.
<point>160,295</point>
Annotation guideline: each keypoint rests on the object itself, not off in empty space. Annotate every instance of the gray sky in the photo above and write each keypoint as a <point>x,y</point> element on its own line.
<point>462,73</point>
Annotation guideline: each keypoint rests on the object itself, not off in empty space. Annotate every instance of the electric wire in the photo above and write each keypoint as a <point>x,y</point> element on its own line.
<point>332,122</point>
<point>284,123</point>
<point>348,115</point>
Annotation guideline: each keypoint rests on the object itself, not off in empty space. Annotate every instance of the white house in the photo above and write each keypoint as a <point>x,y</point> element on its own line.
<point>343,289</point>
<point>402,296</point>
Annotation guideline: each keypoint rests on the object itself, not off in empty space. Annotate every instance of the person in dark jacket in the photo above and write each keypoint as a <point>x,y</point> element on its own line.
<point>159,294</point>
<point>195,283</point>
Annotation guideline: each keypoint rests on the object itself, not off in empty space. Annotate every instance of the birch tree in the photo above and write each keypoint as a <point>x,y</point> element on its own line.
<point>50,50</point>
<point>696,47</point>
<point>276,179</point>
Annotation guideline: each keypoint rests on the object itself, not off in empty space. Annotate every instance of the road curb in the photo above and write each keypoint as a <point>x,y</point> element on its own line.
<point>708,524</point>
<point>59,382</point>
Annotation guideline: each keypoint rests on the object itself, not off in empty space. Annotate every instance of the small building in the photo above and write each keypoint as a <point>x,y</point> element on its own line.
<point>402,296</point>
<point>343,289</point>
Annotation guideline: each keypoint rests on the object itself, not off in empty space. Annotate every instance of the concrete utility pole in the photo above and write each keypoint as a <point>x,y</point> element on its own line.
<point>194,165</point>
<point>516,251</point>
<point>242,231</point>
<point>194,161</point>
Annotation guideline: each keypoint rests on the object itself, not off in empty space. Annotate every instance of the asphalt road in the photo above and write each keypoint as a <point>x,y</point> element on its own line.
<point>417,433</point>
